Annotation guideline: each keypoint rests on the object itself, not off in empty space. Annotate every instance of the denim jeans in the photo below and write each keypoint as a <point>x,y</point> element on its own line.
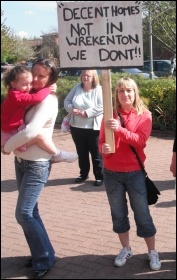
<point>117,185</point>
<point>31,178</point>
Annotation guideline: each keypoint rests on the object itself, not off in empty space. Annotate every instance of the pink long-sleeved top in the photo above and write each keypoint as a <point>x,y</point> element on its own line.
<point>136,132</point>
<point>14,106</point>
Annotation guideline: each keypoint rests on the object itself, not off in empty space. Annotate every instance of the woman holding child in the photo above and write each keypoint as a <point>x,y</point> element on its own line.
<point>33,167</point>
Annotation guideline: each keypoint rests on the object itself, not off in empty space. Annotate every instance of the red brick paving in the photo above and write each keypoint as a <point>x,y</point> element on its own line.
<point>78,221</point>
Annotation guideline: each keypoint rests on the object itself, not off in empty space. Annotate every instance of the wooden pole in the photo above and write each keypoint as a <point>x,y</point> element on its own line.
<point>107,106</point>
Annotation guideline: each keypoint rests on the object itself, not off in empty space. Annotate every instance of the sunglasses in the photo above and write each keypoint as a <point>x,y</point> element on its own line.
<point>46,62</point>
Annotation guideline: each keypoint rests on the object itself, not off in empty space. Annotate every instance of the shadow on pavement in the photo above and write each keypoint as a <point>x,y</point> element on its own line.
<point>87,186</point>
<point>93,267</point>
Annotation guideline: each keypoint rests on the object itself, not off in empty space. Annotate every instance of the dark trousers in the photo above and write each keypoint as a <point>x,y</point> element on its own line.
<point>86,141</point>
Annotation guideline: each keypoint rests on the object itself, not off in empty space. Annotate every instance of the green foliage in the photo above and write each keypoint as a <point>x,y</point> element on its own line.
<point>13,49</point>
<point>7,41</point>
<point>64,85</point>
<point>3,92</point>
<point>163,14</point>
<point>161,97</point>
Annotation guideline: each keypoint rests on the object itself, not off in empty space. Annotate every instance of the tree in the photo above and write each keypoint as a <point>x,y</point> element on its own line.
<point>163,14</point>
<point>50,45</point>
<point>13,48</point>
<point>8,41</point>
<point>24,51</point>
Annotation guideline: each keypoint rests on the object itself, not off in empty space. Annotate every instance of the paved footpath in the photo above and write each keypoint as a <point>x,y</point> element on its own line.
<point>78,221</point>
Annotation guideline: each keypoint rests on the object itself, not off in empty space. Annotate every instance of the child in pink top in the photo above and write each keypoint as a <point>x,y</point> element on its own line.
<point>20,97</point>
<point>18,81</point>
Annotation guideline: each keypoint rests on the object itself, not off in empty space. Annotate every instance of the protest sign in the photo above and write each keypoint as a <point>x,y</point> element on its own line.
<point>100,34</point>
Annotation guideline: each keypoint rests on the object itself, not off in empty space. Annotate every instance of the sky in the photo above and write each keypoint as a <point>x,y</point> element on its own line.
<point>29,19</point>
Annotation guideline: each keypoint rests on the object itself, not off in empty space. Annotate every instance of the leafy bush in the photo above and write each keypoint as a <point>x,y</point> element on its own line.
<point>161,96</point>
<point>64,85</point>
<point>3,92</point>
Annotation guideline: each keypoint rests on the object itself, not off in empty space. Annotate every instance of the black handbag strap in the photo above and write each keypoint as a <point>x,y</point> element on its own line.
<point>132,148</point>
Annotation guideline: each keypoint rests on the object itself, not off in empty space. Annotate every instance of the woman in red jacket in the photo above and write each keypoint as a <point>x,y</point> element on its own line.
<point>122,172</point>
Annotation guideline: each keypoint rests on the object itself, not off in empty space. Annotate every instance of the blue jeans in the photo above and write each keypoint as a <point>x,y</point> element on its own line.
<point>31,178</point>
<point>117,185</point>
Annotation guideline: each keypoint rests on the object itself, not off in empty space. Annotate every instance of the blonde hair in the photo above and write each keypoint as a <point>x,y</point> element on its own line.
<point>95,81</point>
<point>138,103</point>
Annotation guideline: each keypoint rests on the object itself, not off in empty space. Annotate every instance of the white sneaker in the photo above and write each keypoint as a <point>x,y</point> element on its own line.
<point>65,156</point>
<point>123,256</point>
<point>153,257</point>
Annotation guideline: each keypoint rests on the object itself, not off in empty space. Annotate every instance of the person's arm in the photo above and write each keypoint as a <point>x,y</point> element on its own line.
<point>174,144</point>
<point>3,152</point>
<point>142,131</point>
<point>105,148</point>
<point>97,109</point>
<point>40,117</point>
<point>173,164</point>
<point>53,88</point>
<point>26,99</point>
<point>173,159</point>
<point>68,105</point>
<point>101,135</point>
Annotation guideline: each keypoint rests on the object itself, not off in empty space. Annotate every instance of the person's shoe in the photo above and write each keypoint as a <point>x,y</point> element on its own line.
<point>28,264</point>
<point>123,256</point>
<point>80,179</point>
<point>98,183</point>
<point>153,257</point>
<point>65,157</point>
<point>40,273</point>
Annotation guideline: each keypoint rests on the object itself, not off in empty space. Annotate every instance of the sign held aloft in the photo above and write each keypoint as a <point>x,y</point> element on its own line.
<point>100,34</point>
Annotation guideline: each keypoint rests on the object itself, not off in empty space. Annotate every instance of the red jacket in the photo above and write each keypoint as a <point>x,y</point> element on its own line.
<point>136,132</point>
<point>14,106</point>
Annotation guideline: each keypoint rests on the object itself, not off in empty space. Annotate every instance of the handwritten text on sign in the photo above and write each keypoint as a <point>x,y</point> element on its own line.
<point>100,34</point>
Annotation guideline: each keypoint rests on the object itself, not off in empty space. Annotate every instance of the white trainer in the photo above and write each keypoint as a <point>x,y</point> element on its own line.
<point>123,256</point>
<point>65,157</point>
<point>153,257</point>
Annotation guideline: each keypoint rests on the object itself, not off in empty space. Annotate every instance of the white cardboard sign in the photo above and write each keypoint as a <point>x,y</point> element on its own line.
<point>100,34</point>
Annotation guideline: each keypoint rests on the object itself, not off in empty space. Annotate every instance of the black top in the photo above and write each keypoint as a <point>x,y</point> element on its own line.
<point>174,144</point>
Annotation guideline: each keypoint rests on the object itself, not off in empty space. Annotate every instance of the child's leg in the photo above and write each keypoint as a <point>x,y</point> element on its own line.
<point>5,136</point>
<point>44,143</point>
<point>23,147</point>
<point>48,145</point>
